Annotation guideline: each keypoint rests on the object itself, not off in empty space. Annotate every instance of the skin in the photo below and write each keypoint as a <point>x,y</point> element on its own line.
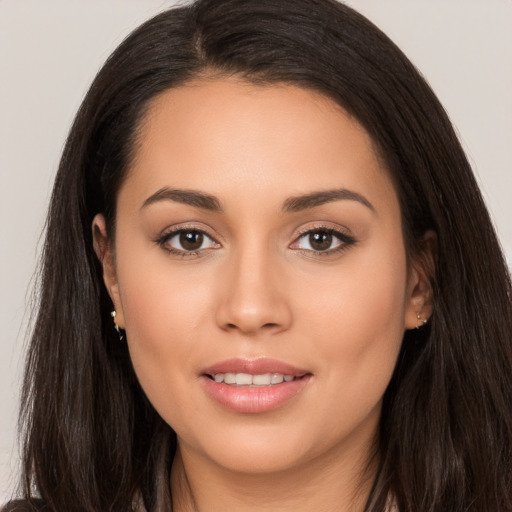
<point>257,288</point>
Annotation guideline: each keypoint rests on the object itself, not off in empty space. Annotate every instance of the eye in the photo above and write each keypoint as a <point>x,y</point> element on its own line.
<point>323,240</point>
<point>187,241</point>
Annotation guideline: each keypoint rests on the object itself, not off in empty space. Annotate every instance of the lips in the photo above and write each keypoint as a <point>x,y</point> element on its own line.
<point>253,386</point>
<point>246,379</point>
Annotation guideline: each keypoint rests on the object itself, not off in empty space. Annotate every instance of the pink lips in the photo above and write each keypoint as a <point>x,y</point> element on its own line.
<point>254,399</point>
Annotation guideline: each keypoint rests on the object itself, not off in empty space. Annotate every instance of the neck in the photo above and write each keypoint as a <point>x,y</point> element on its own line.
<point>335,482</point>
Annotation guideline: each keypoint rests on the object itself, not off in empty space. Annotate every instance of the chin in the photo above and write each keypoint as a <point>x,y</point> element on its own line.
<point>259,448</point>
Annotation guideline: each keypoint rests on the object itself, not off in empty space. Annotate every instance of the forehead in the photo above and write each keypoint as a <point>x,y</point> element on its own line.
<point>228,135</point>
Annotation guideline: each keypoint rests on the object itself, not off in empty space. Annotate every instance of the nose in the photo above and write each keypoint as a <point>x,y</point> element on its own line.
<point>253,297</point>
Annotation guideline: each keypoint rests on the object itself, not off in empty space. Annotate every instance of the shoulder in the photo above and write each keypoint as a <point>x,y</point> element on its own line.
<point>23,506</point>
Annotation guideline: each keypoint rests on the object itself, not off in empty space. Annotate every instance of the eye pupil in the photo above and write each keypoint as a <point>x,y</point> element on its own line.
<point>191,240</point>
<point>320,240</point>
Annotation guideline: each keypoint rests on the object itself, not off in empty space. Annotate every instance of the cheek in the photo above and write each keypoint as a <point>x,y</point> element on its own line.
<point>357,320</point>
<point>164,312</point>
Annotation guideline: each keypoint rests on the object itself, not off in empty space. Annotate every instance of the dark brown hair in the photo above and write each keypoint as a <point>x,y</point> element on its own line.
<point>92,440</point>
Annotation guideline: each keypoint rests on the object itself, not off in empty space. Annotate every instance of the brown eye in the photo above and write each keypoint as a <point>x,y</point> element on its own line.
<point>320,240</point>
<point>191,240</point>
<point>323,241</point>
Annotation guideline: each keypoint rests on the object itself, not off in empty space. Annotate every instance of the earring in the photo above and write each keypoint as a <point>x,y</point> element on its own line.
<point>421,320</point>
<point>120,332</point>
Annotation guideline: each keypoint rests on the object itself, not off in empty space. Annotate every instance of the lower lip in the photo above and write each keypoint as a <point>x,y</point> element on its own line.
<point>254,399</point>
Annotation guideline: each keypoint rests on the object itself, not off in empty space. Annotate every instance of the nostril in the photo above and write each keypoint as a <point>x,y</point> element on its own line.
<point>269,326</point>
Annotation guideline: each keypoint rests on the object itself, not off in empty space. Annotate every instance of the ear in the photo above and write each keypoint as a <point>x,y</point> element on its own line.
<point>419,299</point>
<point>105,254</point>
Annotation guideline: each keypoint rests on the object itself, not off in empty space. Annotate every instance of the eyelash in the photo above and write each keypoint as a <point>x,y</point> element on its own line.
<point>345,241</point>
<point>163,241</point>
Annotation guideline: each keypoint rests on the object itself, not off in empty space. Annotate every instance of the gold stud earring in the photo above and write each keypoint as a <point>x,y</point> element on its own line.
<point>120,332</point>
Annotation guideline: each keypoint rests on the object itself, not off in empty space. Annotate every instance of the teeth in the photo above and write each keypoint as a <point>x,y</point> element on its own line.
<point>246,379</point>
<point>229,378</point>
<point>243,379</point>
<point>276,378</point>
<point>262,380</point>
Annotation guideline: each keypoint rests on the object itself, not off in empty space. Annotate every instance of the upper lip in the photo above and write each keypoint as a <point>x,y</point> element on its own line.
<point>254,367</point>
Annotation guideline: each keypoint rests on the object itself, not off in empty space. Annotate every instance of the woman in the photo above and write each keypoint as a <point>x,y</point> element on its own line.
<point>269,281</point>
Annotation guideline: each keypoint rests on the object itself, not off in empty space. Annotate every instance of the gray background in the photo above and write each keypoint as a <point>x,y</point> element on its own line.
<point>51,49</point>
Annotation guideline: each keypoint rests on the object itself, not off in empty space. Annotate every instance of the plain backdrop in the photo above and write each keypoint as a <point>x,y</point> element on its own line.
<point>50,51</point>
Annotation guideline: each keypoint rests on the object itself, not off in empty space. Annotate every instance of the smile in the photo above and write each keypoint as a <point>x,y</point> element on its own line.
<point>254,385</point>
<point>246,379</point>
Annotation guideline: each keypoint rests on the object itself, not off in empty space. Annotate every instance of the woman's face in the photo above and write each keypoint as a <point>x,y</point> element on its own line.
<point>260,274</point>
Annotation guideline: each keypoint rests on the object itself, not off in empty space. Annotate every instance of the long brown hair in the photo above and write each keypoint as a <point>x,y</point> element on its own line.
<point>93,442</point>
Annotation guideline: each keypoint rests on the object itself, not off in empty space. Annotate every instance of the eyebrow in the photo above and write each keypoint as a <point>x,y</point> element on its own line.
<point>292,204</point>
<point>307,201</point>
<point>189,197</point>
